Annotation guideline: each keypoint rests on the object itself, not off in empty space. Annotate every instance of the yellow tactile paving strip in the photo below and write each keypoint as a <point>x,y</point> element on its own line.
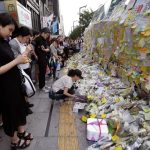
<point>67,134</point>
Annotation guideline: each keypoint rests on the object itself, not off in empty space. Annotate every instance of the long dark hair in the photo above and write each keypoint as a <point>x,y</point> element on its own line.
<point>6,19</point>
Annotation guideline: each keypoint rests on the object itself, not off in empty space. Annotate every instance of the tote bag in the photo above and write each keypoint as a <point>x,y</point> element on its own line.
<point>28,87</point>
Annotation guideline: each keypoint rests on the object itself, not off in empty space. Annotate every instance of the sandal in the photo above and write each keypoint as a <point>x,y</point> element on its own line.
<point>21,144</point>
<point>25,135</point>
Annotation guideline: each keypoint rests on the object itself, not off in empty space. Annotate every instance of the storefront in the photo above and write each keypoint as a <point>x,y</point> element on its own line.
<point>18,11</point>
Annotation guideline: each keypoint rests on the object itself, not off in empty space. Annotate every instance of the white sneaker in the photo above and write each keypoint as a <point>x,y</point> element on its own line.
<point>45,90</point>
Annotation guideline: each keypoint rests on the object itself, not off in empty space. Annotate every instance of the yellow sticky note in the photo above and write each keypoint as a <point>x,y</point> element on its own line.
<point>88,96</point>
<point>134,26</point>
<point>115,138</point>
<point>147,28</point>
<point>104,100</point>
<point>147,12</point>
<point>84,118</point>
<point>118,148</point>
<point>103,116</point>
<point>117,100</point>
<point>147,33</point>
<point>93,116</point>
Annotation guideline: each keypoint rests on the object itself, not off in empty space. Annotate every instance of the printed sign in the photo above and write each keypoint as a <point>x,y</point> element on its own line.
<point>24,16</point>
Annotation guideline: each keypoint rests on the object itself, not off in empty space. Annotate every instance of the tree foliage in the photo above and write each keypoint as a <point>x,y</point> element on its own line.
<point>84,21</point>
<point>75,33</point>
<point>85,18</point>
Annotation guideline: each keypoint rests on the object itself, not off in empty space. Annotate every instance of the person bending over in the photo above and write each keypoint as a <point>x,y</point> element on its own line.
<point>64,85</point>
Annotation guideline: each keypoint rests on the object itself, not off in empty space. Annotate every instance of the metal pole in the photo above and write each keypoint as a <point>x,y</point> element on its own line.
<point>80,11</point>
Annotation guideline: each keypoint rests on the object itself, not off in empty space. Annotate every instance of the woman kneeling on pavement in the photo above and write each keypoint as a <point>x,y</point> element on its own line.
<point>64,85</point>
<point>12,100</point>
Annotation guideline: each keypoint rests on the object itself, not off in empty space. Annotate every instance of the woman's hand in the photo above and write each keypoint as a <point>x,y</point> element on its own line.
<point>22,59</point>
<point>45,49</point>
<point>73,96</point>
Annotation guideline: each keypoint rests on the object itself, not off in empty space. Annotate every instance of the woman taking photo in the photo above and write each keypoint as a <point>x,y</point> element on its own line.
<point>12,100</point>
<point>64,85</point>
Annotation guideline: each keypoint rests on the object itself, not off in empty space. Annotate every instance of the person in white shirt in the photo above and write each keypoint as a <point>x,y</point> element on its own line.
<point>18,46</point>
<point>64,85</point>
<point>22,37</point>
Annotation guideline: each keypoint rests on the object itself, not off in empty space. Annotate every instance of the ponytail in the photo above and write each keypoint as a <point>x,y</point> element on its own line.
<point>71,73</point>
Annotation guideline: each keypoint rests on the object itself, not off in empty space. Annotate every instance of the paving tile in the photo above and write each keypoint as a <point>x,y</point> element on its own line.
<point>36,104</point>
<point>32,145</point>
<point>38,124</point>
<point>43,106</point>
<point>49,143</point>
<point>53,130</point>
<point>5,142</point>
<point>43,95</point>
<point>36,95</point>
<point>68,143</point>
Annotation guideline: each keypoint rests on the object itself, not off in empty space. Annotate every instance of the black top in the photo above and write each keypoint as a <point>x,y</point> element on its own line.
<point>12,100</point>
<point>6,56</point>
<point>38,43</point>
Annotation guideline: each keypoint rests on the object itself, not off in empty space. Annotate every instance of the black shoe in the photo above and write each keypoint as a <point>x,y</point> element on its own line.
<point>29,104</point>
<point>29,111</point>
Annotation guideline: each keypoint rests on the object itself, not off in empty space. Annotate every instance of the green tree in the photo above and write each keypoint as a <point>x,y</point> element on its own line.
<point>75,33</point>
<point>84,21</point>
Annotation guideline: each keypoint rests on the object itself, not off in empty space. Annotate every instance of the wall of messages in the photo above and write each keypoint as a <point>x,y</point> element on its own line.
<point>120,43</point>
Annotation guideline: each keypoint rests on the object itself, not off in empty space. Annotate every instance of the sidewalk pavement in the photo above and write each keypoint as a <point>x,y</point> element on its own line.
<point>44,124</point>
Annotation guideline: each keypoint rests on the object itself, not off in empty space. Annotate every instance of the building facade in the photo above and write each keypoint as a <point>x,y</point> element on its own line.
<point>54,7</point>
<point>35,9</point>
<point>33,6</point>
<point>61,26</point>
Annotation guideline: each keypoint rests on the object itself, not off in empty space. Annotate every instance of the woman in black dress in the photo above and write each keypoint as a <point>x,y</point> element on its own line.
<point>12,100</point>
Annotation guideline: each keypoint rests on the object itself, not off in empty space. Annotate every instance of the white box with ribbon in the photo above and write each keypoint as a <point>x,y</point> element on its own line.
<point>96,129</point>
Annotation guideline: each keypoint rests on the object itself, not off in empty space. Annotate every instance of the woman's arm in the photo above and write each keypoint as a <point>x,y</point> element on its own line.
<point>21,59</point>
<point>67,94</point>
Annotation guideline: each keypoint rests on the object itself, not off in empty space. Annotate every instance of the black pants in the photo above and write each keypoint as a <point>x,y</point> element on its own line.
<point>70,91</point>
<point>52,67</point>
<point>66,52</point>
<point>42,72</point>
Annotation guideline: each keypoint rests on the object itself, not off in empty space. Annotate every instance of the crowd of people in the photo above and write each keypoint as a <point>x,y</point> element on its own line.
<point>38,54</point>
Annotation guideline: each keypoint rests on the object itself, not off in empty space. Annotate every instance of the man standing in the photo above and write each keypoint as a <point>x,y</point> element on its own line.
<point>41,49</point>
